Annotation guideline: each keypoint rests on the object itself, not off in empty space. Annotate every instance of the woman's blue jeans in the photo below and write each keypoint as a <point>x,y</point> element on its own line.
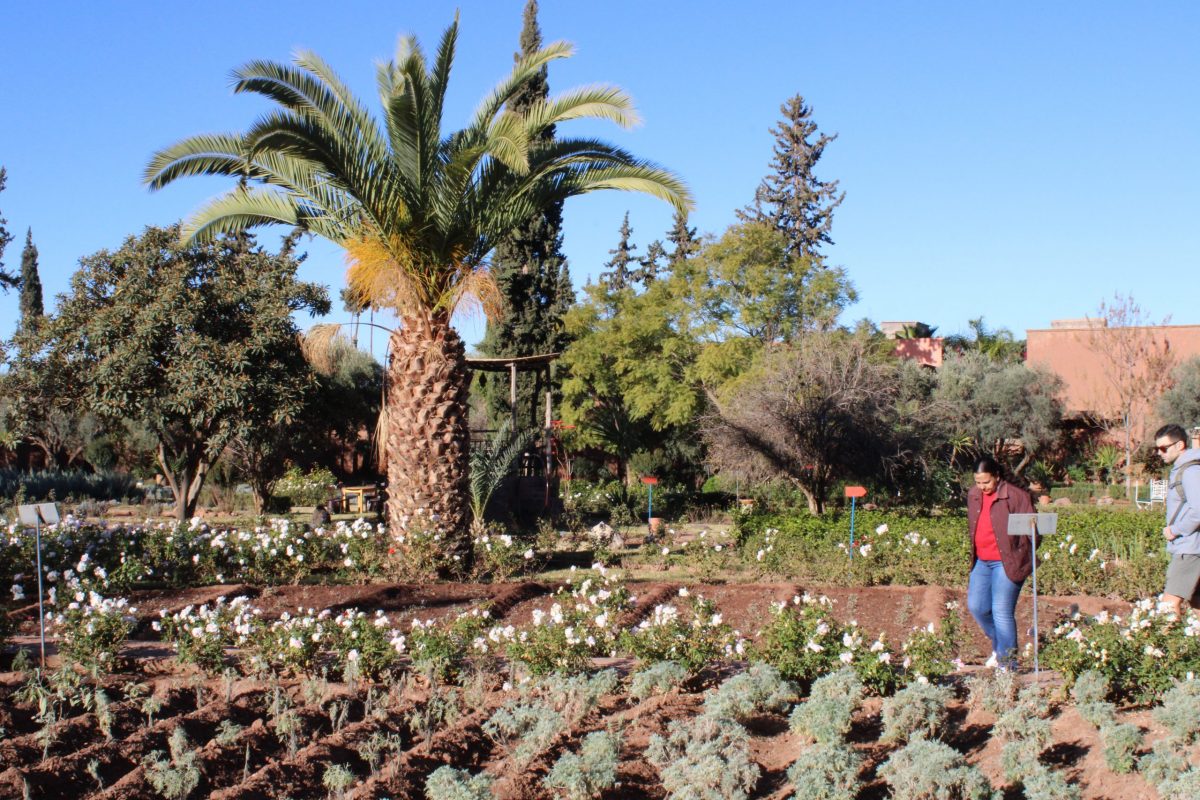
<point>992,601</point>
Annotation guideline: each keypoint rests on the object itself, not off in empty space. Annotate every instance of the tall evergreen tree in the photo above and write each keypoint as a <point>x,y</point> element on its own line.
<point>31,283</point>
<point>7,279</point>
<point>684,241</point>
<point>531,272</point>
<point>792,198</point>
<point>619,275</point>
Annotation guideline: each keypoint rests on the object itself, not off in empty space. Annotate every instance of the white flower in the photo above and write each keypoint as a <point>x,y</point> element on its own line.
<point>529,554</point>
<point>882,529</point>
<point>18,591</point>
<point>683,591</point>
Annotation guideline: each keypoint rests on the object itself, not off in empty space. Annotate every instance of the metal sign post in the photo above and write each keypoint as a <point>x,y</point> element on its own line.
<point>1033,525</point>
<point>33,516</point>
<point>854,492</point>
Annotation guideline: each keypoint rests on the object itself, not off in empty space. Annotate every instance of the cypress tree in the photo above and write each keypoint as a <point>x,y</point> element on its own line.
<point>31,283</point>
<point>531,273</point>
<point>619,276</point>
<point>683,239</point>
<point>791,198</point>
<point>7,280</point>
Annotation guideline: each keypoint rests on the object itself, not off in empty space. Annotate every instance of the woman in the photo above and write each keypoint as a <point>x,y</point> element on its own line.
<point>999,563</point>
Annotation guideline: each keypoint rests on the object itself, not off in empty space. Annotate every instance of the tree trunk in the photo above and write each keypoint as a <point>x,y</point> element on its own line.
<point>184,480</point>
<point>428,435</point>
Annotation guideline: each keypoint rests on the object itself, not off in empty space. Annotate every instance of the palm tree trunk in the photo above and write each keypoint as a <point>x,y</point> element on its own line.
<point>428,436</point>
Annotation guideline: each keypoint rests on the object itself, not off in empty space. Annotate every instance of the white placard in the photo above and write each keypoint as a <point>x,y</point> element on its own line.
<point>1021,524</point>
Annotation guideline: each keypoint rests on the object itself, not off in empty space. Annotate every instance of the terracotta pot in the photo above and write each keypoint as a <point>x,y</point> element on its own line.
<point>657,524</point>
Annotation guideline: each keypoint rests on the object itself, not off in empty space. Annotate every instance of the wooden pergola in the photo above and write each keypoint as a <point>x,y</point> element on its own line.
<point>514,364</point>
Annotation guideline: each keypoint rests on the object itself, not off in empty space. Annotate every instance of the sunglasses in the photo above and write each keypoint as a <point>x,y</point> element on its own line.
<point>1162,448</point>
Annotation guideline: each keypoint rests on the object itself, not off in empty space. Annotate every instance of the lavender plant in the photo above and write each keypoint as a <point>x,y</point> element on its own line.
<point>994,691</point>
<point>705,758</point>
<point>1121,742</point>
<point>594,769</point>
<point>826,716</point>
<point>524,729</point>
<point>660,677</point>
<point>448,783</point>
<point>177,776</point>
<point>917,710</point>
<point>1180,712</point>
<point>926,769</point>
<point>826,771</point>
<point>758,690</point>
<point>1042,783</point>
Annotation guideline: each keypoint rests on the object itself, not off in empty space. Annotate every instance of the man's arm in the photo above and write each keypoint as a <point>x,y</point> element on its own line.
<point>1189,521</point>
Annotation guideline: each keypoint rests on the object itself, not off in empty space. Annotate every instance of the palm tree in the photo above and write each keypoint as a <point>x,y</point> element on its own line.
<point>417,212</point>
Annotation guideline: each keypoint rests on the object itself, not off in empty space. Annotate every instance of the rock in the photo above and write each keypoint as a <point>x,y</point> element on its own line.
<point>1063,501</point>
<point>1104,501</point>
<point>601,532</point>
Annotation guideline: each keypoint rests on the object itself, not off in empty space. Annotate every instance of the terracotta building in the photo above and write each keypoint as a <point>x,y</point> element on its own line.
<point>1074,349</point>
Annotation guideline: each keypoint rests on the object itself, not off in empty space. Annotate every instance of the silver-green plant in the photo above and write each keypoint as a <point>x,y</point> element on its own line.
<point>177,776</point>
<point>926,769</point>
<point>657,678</point>
<point>705,758</point>
<point>826,771</point>
<point>575,695</point>
<point>525,729</point>
<point>442,707</point>
<point>594,769</point>
<point>1090,694</point>
<point>759,689</point>
<point>93,769</point>
<point>1184,786</point>
<point>1180,712</point>
<point>994,691</point>
<point>827,714</point>
<point>377,746</point>
<point>337,779</point>
<point>918,709</point>
<point>227,732</point>
<point>1043,783</point>
<point>1121,742</point>
<point>1026,730</point>
<point>1165,762</point>
<point>448,783</point>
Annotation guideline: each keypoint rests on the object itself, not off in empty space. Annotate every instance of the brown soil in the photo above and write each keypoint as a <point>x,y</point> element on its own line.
<point>255,763</point>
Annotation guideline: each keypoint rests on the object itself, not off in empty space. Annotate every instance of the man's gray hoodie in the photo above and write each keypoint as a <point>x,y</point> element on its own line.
<point>1185,511</point>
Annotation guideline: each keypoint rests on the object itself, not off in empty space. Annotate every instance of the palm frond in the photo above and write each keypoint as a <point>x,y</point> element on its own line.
<point>490,465</point>
<point>320,344</point>
<point>585,102</point>
<point>207,154</point>
<point>523,70</point>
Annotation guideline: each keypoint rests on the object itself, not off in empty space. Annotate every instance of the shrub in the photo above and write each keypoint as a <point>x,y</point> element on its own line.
<point>1121,741</point>
<point>366,647</point>
<point>201,635</point>
<point>994,691</point>
<point>691,638</point>
<point>441,650</point>
<point>525,729</point>
<point>91,629</point>
<point>299,488</point>
<point>500,557</point>
<point>594,769</point>
<point>930,651</point>
<point>658,678</point>
<point>826,772</point>
<point>575,695</point>
<point>448,783</point>
<point>178,776</point>
<point>705,757</point>
<point>826,716</point>
<point>917,709</point>
<point>1180,712</point>
<point>802,640</point>
<point>925,769</point>
<point>1141,655</point>
<point>1165,762</point>
<point>758,689</point>
<point>65,485</point>
<point>1041,783</point>
<point>1185,786</point>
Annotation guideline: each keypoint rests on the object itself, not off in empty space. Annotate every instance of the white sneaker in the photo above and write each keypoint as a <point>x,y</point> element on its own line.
<point>993,661</point>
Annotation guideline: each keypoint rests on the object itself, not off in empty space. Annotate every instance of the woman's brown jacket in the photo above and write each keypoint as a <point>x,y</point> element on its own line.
<point>1016,552</point>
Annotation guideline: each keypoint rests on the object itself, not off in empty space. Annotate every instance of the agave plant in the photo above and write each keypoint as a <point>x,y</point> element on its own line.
<point>417,211</point>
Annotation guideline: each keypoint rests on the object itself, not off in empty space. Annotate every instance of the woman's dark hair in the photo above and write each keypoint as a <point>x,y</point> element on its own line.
<point>988,464</point>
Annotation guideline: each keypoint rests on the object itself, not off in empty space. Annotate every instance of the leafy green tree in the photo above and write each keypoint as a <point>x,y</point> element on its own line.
<point>531,272</point>
<point>811,412</point>
<point>418,212</point>
<point>1181,403</point>
<point>792,199</point>
<point>196,342</point>
<point>31,283</point>
<point>7,279</point>
<point>1008,411</point>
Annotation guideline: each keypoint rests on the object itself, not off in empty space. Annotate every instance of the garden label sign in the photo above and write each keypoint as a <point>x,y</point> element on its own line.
<point>32,516</point>
<point>854,492</point>
<point>1033,525</point>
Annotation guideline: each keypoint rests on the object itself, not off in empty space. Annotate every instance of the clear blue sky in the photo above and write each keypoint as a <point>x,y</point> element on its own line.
<point>1020,161</point>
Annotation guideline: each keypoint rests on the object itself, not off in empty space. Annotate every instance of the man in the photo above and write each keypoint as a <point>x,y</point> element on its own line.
<point>1183,517</point>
